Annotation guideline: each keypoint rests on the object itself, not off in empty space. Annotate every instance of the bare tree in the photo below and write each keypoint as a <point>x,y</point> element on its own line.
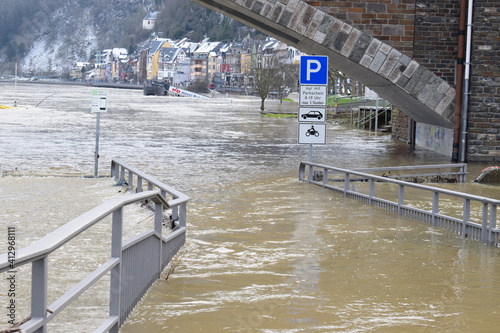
<point>266,76</point>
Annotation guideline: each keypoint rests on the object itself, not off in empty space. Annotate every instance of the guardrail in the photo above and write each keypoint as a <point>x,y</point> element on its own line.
<point>134,264</point>
<point>441,172</point>
<point>472,208</point>
<point>121,171</point>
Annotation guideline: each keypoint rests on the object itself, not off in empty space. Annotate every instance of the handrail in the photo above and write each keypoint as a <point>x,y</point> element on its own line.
<point>119,167</point>
<point>486,231</point>
<point>380,110</point>
<point>57,238</point>
<point>462,170</point>
<point>142,257</point>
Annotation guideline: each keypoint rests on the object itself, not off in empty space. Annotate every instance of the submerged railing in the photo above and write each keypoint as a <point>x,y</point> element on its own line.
<point>470,208</point>
<point>437,173</point>
<point>134,264</point>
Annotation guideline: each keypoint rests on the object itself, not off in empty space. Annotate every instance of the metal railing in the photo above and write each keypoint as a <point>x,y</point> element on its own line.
<point>437,172</point>
<point>134,264</point>
<point>370,115</point>
<point>485,230</point>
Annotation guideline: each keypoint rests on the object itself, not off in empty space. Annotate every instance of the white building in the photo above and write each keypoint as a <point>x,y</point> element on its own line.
<point>148,22</point>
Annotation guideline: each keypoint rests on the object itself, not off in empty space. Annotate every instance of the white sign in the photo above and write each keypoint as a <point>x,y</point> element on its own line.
<point>316,114</point>
<point>99,101</point>
<point>313,70</point>
<point>312,133</point>
<point>312,95</point>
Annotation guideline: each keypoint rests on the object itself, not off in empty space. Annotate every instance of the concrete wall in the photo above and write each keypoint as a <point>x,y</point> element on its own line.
<point>434,138</point>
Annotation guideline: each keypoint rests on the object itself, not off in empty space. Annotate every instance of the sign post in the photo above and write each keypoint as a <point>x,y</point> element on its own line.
<point>312,100</point>
<point>99,104</point>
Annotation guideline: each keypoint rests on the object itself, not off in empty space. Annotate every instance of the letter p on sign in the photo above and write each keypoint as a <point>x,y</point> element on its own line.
<point>313,70</point>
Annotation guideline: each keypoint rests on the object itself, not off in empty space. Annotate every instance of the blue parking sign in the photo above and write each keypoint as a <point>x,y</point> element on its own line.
<point>313,70</point>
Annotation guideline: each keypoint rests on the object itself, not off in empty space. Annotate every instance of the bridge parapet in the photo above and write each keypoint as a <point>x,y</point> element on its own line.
<point>404,82</point>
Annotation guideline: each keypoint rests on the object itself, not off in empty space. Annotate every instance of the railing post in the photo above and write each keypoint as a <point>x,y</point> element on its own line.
<point>182,215</point>
<point>346,183</point>
<point>493,225</point>
<point>113,170</point>
<point>158,229</point>
<point>130,179</point>
<point>466,216</point>
<point>39,282</point>
<point>401,197</point>
<point>435,207</point>
<point>372,189</point>
<point>116,276</point>
<point>302,169</point>
<point>139,184</point>
<point>484,223</point>
<point>325,176</point>
<point>122,173</point>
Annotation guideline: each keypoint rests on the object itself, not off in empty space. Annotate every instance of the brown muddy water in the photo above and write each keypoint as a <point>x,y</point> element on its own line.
<point>265,252</point>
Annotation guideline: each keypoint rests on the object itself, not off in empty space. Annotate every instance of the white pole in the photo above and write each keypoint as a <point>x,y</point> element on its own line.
<point>15,85</point>
<point>465,92</point>
<point>96,153</point>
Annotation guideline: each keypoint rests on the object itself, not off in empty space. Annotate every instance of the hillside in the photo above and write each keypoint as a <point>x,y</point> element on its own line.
<point>46,37</point>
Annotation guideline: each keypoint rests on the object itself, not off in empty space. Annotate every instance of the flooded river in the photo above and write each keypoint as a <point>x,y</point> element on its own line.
<point>265,252</point>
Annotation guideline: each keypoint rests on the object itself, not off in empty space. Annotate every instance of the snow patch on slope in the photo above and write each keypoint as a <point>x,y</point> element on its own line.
<point>56,53</point>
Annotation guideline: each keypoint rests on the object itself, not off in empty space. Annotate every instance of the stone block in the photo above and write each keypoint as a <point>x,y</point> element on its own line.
<point>373,47</point>
<point>299,12</point>
<point>379,8</point>
<point>366,61</point>
<point>319,37</point>
<point>326,24</point>
<point>315,23</point>
<point>429,95</point>
<point>276,12</point>
<point>445,106</point>
<point>286,16</point>
<point>385,48</point>
<point>267,11</point>
<point>360,47</point>
<point>411,68</point>
<point>414,79</point>
<point>308,16</point>
<point>438,91</point>
<point>257,7</point>
<point>292,4</point>
<point>390,63</point>
<point>377,62</point>
<point>349,44</point>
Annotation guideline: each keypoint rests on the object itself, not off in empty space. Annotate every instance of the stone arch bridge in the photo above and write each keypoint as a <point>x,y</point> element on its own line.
<point>405,50</point>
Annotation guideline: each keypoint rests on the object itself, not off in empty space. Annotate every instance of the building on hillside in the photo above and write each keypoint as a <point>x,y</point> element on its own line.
<point>200,62</point>
<point>251,57</point>
<point>154,59</point>
<point>148,22</point>
<point>108,63</point>
<point>229,67</point>
<point>176,65</point>
<point>274,52</point>
<point>78,71</point>
<point>128,71</point>
<point>187,46</point>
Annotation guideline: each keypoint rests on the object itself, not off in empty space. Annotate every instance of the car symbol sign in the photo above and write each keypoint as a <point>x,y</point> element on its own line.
<point>312,114</point>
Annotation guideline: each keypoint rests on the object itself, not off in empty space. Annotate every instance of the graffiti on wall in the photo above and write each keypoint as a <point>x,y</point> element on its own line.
<point>438,139</point>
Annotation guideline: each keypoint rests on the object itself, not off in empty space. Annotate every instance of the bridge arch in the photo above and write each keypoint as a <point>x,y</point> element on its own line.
<point>404,82</point>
